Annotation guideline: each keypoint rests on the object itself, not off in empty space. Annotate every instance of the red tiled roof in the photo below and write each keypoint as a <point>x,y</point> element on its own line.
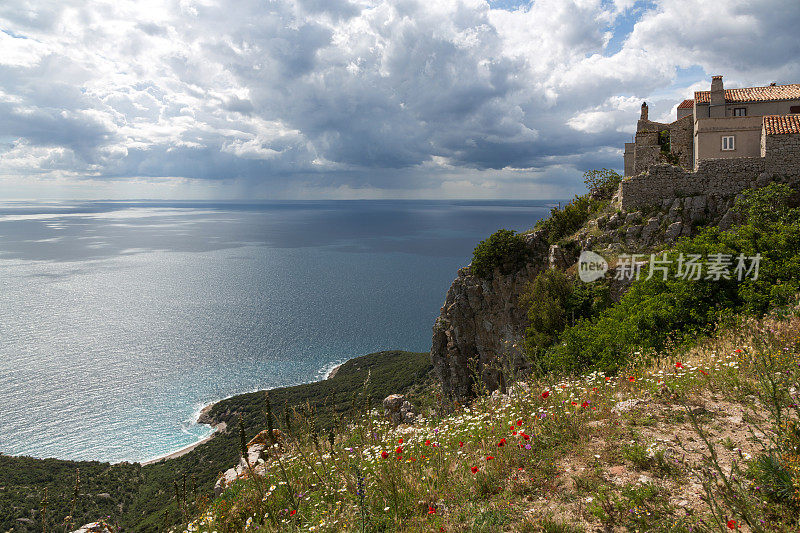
<point>781,124</point>
<point>754,94</point>
<point>686,104</point>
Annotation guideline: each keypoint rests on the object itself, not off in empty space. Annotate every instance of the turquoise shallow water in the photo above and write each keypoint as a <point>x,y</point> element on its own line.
<point>120,320</point>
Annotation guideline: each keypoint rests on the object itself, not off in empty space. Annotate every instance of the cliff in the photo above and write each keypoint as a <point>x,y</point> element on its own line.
<point>480,330</point>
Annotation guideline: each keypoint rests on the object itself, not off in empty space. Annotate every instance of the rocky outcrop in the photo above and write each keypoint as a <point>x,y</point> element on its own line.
<point>398,410</point>
<point>255,462</point>
<point>94,527</point>
<point>479,332</point>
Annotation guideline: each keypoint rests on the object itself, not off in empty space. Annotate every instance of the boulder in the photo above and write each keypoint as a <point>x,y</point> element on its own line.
<point>398,410</point>
<point>94,527</point>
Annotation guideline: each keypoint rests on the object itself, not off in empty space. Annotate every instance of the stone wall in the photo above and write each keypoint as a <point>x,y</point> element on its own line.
<point>714,177</point>
<point>681,141</point>
<point>782,154</point>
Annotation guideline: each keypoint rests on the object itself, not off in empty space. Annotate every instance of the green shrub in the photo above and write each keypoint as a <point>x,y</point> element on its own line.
<point>655,310</point>
<point>554,301</point>
<point>504,249</point>
<point>602,183</point>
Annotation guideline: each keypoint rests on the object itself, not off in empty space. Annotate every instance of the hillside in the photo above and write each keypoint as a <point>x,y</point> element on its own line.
<point>142,498</point>
<point>696,440</point>
<point>652,404</point>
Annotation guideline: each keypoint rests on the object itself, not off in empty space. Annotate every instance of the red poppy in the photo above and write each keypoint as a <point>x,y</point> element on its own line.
<point>460,444</point>
<point>502,442</point>
<point>294,512</point>
<point>489,457</point>
<point>384,454</point>
<point>400,440</point>
<point>399,450</point>
<point>678,365</point>
<point>474,469</point>
<point>427,442</point>
<point>519,422</point>
<point>737,350</point>
<point>585,404</point>
<point>631,379</point>
<point>431,509</point>
<point>545,394</point>
<point>526,436</point>
<point>573,402</point>
<point>703,372</point>
<point>731,524</point>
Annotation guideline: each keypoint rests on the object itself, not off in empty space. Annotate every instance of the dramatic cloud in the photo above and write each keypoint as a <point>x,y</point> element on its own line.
<point>356,98</point>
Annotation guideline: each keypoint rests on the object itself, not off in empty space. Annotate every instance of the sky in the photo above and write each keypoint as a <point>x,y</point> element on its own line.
<point>317,99</point>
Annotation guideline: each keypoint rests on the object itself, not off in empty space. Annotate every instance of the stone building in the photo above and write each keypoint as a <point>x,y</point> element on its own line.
<point>722,142</point>
<point>716,124</point>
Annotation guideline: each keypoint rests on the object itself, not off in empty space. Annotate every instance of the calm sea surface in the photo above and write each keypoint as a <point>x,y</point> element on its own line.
<point>120,320</point>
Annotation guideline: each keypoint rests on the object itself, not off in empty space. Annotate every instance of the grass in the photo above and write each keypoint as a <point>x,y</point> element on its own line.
<point>143,498</point>
<point>556,454</point>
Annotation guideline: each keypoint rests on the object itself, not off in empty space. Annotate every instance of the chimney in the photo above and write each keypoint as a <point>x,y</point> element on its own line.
<point>644,111</point>
<point>717,104</point>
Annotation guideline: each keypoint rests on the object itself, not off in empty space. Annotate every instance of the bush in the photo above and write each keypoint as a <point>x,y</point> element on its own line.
<point>656,310</point>
<point>555,301</point>
<point>504,249</point>
<point>564,222</point>
<point>602,183</point>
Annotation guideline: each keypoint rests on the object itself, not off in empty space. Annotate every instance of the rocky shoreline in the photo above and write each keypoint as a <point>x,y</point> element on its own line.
<point>205,418</point>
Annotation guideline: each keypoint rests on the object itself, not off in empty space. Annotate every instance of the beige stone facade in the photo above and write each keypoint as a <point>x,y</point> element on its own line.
<point>723,142</point>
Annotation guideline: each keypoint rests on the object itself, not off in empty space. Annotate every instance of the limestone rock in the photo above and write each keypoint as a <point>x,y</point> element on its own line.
<point>459,333</point>
<point>94,527</point>
<point>398,410</point>
<point>650,229</point>
<point>673,231</point>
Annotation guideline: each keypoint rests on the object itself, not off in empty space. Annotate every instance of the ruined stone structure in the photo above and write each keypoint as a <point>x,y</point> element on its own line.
<point>722,142</point>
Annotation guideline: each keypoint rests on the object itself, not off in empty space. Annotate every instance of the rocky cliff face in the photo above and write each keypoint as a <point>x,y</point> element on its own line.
<point>481,326</point>
<point>480,330</point>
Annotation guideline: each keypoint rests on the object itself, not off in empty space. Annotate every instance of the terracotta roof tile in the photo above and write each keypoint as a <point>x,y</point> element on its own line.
<point>754,94</point>
<point>781,124</point>
<point>686,104</point>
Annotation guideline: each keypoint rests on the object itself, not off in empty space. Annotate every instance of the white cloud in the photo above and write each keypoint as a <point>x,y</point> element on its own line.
<point>387,96</point>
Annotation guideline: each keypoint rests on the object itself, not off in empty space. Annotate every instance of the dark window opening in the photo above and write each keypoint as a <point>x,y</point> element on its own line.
<point>794,109</point>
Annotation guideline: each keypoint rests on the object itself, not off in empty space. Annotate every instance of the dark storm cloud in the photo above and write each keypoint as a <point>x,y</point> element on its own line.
<point>371,93</point>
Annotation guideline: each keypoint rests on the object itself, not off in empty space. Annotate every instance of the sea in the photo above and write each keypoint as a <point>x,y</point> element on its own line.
<point>120,320</point>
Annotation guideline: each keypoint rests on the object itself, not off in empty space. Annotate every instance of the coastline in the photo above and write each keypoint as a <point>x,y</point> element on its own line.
<point>333,371</point>
<point>203,418</point>
<point>218,428</point>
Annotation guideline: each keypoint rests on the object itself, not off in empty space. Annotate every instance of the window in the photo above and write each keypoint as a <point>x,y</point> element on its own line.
<point>728,143</point>
<point>739,111</point>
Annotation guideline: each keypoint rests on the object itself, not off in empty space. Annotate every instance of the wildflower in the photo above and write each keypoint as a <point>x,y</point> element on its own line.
<point>526,436</point>
<point>678,365</point>
<point>519,422</point>
<point>384,454</point>
<point>474,469</point>
<point>585,404</point>
<point>545,394</point>
<point>732,523</point>
<point>631,379</point>
<point>460,444</point>
<point>399,450</point>
<point>489,457</point>
<point>294,512</point>
<point>400,440</point>
<point>427,442</point>
<point>502,442</point>
<point>431,509</point>
<point>703,372</point>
